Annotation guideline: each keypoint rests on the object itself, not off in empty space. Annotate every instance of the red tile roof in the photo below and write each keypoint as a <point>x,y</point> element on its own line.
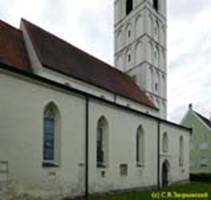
<point>12,48</point>
<point>56,54</point>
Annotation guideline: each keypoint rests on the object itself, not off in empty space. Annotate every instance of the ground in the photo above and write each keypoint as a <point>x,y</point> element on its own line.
<point>192,188</point>
<point>164,194</point>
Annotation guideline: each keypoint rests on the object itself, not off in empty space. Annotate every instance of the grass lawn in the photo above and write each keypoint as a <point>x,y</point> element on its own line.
<point>194,187</point>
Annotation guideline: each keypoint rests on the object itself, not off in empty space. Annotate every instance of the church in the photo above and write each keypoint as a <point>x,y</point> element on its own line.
<point>72,125</point>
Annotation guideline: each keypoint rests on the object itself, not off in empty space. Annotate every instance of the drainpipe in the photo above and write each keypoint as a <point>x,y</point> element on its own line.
<point>158,156</point>
<point>87,150</point>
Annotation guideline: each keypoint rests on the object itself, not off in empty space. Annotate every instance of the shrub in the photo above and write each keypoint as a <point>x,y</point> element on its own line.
<point>201,177</point>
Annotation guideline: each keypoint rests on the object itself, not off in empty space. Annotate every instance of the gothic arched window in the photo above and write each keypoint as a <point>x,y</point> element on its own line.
<point>102,142</point>
<point>165,142</point>
<point>140,146</point>
<point>50,134</point>
<point>129,6</point>
<point>181,151</point>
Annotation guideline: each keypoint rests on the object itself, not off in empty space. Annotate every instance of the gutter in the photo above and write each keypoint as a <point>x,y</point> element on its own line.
<point>87,149</point>
<point>158,155</point>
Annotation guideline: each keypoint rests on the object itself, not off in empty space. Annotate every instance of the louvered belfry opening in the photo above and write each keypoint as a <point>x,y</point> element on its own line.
<point>155,4</point>
<point>129,6</point>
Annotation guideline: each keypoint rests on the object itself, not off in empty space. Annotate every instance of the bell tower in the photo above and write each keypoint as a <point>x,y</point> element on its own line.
<point>140,46</point>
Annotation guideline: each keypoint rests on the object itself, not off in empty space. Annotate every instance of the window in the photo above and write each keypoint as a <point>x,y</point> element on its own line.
<point>100,154</point>
<point>129,33</point>
<point>155,55</point>
<point>140,146</point>
<point>156,87</point>
<point>165,142</point>
<point>156,5</point>
<point>204,162</point>
<point>158,102</point>
<point>123,170</point>
<point>129,6</point>
<point>203,146</point>
<point>129,57</point>
<point>102,142</point>
<point>50,134</point>
<point>181,151</point>
<point>156,30</point>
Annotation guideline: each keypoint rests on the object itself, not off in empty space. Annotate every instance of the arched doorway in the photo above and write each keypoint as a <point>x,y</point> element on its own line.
<point>165,173</point>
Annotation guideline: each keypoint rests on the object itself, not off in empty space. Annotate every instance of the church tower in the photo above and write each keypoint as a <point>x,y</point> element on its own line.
<point>140,46</point>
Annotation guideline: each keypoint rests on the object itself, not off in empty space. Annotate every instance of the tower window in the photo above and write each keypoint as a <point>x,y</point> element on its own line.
<point>129,58</point>
<point>155,4</point>
<point>129,33</point>
<point>129,6</point>
<point>156,87</point>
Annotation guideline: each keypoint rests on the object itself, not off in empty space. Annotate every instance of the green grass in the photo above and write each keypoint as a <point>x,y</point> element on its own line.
<point>194,187</point>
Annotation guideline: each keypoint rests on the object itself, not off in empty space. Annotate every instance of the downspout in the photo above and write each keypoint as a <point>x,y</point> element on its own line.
<point>158,156</point>
<point>87,149</point>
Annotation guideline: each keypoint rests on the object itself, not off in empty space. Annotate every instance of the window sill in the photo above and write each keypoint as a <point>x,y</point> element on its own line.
<point>47,164</point>
<point>101,165</point>
<point>139,165</point>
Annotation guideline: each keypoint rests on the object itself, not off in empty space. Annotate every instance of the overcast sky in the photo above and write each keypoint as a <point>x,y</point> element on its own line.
<point>89,26</point>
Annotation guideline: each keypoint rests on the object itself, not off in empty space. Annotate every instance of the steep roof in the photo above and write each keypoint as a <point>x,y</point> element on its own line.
<point>204,119</point>
<point>56,54</point>
<point>12,48</point>
<point>60,56</point>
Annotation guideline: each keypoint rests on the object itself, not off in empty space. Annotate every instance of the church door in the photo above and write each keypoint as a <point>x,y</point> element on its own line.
<point>165,174</point>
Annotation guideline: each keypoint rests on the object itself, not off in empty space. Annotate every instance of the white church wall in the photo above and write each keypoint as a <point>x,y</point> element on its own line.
<point>129,58</point>
<point>22,128</point>
<point>163,7</point>
<point>129,33</point>
<point>136,106</point>
<point>139,25</point>
<point>177,173</point>
<point>119,39</point>
<point>123,135</point>
<point>22,107</point>
<point>32,98</point>
<point>120,62</point>
<point>138,2</point>
<point>139,52</point>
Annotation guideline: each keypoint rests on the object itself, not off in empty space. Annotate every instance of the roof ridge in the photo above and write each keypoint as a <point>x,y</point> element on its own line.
<point>200,115</point>
<point>9,25</point>
<point>204,119</point>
